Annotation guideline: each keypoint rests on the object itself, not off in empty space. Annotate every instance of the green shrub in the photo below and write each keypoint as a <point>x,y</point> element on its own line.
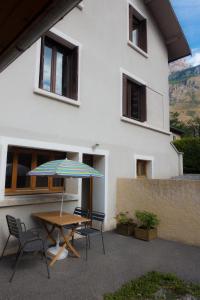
<point>146,287</point>
<point>191,158</point>
<point>123,218</point>
<point>147,219</point>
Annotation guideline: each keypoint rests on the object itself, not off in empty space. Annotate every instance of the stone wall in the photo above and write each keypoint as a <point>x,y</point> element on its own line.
<point>177,204</point>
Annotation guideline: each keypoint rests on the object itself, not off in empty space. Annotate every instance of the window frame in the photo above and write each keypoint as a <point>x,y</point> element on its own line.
<point>132,10</point>
<point>126,103</point>
<point>69,42</point>
<point>33,189</point>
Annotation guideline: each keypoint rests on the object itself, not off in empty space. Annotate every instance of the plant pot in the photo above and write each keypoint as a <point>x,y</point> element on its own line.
<point>126,229</point>
<point>145,234</point>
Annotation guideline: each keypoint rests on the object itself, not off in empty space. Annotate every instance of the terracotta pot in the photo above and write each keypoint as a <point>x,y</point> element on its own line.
<point>145,234</point>
<point>126,229</point>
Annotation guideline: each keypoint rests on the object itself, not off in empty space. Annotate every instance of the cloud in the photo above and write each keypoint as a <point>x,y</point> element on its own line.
<point>194,60</point>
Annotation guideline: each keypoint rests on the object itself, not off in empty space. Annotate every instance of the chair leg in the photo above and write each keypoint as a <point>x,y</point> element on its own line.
<point>103,242</point>
<point>45,256</point>
<point>86,247</point>
<point>6,244</point>
<point>17,262</point>
<point>89,241</point>
<point>17,255</point>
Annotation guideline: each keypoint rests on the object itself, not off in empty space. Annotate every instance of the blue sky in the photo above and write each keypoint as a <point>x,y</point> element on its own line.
<point>188,12</point>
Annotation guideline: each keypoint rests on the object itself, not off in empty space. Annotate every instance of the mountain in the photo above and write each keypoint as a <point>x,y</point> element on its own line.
<point>184,90</point>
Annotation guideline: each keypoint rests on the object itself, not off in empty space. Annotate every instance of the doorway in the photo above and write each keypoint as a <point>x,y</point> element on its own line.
<point>93,189</point>
<point>87,190</point>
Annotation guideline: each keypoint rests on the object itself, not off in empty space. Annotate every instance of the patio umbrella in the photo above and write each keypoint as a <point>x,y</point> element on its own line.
<point>65,169</point>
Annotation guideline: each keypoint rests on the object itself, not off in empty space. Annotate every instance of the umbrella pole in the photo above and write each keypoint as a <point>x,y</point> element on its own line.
<point>61,207</point>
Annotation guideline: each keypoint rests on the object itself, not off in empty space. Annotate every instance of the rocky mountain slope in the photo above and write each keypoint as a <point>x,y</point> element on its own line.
<point>185,92</point>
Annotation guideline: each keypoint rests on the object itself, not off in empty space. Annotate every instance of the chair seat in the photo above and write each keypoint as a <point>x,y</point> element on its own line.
<point>87,231</point>
<point>36,245</point>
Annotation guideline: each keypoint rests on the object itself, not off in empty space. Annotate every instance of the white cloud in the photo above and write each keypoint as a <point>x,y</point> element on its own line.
<point>194,60</point>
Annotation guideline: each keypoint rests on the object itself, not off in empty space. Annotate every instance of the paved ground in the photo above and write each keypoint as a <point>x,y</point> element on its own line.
<point>76,279</point>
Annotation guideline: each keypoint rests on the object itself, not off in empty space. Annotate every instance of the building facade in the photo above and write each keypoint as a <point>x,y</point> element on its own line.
<point>93,89</point>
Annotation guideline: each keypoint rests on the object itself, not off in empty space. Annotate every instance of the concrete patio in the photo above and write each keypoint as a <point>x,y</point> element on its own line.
<point>76,279</point>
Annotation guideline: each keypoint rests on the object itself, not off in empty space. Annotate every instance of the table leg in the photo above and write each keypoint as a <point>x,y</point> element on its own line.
<point>49,232</point>
<point>54,259</point>
<point>67,242</point>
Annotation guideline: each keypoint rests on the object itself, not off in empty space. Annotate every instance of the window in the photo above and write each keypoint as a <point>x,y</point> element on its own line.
<point>141,168</point>
<point>134,100</point>
<point>20,161</point>
<point>59,66</point>
<point>137,29</point>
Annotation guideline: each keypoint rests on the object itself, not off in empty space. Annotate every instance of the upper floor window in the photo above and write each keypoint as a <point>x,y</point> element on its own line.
<point>20,161</point>
<point>134,99</point>
<point>59,66</point>
<point>137,29</point>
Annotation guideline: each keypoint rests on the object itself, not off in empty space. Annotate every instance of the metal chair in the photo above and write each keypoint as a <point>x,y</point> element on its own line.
<point>28,240</point>
<point>89,230</point>
<point>80,212</point>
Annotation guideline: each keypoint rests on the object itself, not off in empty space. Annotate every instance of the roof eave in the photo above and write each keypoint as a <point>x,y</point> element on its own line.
<point>167,21</point>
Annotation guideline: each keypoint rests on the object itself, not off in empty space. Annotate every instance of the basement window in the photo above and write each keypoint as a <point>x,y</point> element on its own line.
<point>20,161</point>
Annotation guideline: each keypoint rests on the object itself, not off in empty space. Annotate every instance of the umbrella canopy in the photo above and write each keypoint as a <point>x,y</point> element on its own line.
<point>65,168</point>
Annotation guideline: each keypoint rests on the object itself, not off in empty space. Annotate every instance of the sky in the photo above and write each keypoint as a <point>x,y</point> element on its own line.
<point>188,13</point>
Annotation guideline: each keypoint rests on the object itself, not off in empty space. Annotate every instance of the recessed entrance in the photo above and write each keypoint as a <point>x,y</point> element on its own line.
<point>93,189</point>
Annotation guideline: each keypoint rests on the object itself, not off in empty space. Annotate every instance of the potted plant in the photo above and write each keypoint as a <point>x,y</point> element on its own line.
<point>125,224</point>
<point>147,225</point>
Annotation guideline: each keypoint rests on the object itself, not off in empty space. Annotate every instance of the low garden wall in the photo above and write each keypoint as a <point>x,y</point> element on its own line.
<point>176,202</point>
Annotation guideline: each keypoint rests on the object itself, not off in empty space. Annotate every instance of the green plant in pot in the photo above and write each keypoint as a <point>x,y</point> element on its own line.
<point>125,224</point>
<point>147,225</point>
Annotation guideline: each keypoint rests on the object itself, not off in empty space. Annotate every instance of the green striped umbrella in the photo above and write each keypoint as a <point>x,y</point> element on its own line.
<point>65,169</point>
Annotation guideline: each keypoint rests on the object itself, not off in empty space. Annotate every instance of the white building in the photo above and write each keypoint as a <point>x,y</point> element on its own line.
<point>93,89</point>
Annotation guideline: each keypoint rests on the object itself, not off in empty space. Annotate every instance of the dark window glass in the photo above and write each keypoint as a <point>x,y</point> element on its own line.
<point>23,167</point>
<point>9,169</point>
<point>58,182</point>
<point>141,168</point>
<point>42,181</point>
<point>135,31</point>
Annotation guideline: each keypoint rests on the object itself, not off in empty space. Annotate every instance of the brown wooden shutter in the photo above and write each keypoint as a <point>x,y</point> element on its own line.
<point>143,35</point>
<point>130,22</point>
<point>41,63</point>
<point>143,104</point>
<point>124,96</point>
<point>74,74</point>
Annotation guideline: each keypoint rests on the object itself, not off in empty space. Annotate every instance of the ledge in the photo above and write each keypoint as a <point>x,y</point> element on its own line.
<point>56,97</point>
<point>145,125</point>
<point>137,49</point>
<point>25,200</point>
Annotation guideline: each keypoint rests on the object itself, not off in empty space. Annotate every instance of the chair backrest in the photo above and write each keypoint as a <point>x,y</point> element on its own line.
<point>14,226</point>
<point>81,212</point>
<point>97,216</point>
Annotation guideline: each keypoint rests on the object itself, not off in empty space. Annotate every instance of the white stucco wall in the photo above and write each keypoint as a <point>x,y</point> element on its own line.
<point>101,29</point>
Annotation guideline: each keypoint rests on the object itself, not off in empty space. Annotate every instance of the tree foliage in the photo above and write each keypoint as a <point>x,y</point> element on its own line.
<point>190,146</point>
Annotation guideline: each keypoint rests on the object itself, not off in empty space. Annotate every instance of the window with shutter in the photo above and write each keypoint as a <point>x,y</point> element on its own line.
<point>134,99</point>
<point>59,67</point>
<point>137,29</point>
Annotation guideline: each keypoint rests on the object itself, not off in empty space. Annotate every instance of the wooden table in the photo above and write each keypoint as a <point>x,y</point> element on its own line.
<point>54,219</point>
